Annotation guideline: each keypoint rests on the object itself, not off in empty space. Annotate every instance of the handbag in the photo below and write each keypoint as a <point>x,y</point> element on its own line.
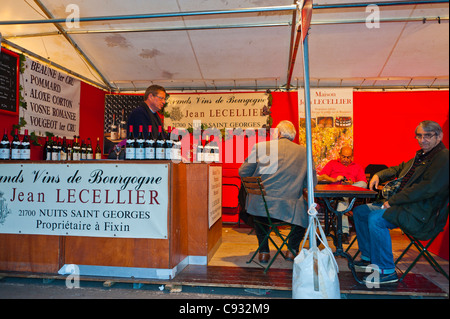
<point>391,188</point>
<point>315,272</point>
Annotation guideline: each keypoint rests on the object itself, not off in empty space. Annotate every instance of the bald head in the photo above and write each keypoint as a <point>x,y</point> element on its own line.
<point>346,155</point>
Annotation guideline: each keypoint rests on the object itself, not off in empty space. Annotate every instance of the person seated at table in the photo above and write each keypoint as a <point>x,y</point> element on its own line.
<point>284,177</point>
<point>344,171</point>
<point>423,190</point>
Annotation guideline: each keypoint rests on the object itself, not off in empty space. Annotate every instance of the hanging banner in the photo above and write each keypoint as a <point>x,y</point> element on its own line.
<point>331,122</point>
<point>239,110</point>
<point>53,100</point>
<point>96,200</point>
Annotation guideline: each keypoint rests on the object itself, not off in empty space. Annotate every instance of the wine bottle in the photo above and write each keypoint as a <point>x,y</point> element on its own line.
<point>47,150</point>
<point>200,155</point>
<point>207,150</point>
<point>89,150</point>
<point>130,152</point>
<point>25,149</point>
<point>123,127</point>
<point>114,133</point>
<point>69,151</point>
<point>64,151</point>
<point>83,150</point>
<point>98,151</point>
<point>76,149</point>
<point>150,145</point>
<point>140,149</point>
<point>214,150</point>
<point>5,147</point>
<point>168,145</point>
<point>160,153</point>
<point>176,149</point>
<point>15,146</point>
<point>55,149</point>
<point>59,145</point>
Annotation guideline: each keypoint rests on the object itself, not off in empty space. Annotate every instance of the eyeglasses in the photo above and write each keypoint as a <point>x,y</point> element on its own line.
<point>425,136</point>
<point>160,97</point>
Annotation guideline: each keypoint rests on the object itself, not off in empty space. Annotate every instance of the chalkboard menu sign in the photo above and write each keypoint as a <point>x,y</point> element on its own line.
<point>9,82</point>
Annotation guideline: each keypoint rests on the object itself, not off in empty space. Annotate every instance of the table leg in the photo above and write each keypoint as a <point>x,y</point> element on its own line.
<point>338,242</point>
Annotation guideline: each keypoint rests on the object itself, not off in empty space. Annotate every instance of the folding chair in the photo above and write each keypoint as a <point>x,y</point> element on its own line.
<point>440,222</point>
<point>254,185</point>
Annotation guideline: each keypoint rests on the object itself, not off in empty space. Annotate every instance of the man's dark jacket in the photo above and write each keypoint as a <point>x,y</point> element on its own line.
<point>414,208</point>
<point>142,115</point>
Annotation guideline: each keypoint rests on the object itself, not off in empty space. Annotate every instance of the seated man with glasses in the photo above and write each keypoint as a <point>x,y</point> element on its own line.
<point>423,189</point>
<point>147,112</point>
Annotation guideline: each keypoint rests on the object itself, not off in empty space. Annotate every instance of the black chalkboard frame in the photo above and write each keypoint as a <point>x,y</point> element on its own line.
<point>16,108</point>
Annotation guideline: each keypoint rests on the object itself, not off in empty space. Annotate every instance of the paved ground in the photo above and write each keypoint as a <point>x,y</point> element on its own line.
<point>26,288</point>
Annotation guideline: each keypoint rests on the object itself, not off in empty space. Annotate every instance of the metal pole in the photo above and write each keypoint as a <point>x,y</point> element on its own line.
<point>309,157</point>
<point>379,3</point>
<point>155,15</point>
<point>310,185</point>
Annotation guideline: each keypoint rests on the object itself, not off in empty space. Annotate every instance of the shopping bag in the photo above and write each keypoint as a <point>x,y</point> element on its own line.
<point>315,271</point>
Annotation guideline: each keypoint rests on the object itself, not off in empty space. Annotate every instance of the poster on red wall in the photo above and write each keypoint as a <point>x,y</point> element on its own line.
<point>53,100</point>
<point>331,122</point>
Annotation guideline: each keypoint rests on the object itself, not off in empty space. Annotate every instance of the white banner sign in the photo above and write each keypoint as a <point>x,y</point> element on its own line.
<point>97,200</point>
<point>244,110</point>
<point>53,100</point>
<point>329,107</point>
<point>215,194</point>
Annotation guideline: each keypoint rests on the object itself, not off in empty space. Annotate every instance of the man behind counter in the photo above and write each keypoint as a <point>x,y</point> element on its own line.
<point>147,112</point>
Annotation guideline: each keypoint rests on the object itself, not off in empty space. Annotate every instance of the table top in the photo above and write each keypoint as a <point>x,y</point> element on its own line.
<point>339,190</point>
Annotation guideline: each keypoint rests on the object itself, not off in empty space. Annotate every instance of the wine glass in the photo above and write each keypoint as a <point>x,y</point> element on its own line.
<point>117,149</point>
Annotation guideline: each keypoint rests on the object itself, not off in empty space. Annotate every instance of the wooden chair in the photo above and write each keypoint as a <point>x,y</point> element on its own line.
<point>440,221</point>
<point>254,185</point>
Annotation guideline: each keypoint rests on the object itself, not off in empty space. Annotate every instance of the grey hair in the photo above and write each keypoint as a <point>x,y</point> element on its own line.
<point>430,126</point>
<point>287,129</point>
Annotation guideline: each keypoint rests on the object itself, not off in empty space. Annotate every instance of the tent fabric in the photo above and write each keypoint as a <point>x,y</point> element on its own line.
<point>235,51</point>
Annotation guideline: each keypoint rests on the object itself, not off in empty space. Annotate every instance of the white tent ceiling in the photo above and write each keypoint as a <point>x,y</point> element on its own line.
<point>211,46</point>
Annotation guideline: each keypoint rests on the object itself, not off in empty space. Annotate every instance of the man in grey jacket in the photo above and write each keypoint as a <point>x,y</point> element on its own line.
<point>283,173</point>
<point>423,189</point>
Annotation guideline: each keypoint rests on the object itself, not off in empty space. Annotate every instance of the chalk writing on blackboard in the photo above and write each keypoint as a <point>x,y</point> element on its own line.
<point>9,81</point>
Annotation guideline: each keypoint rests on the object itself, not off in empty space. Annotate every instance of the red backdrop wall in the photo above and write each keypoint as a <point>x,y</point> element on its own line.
<point>384,124</point>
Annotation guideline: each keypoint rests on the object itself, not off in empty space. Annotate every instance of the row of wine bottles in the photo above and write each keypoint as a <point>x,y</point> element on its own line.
<point>16,150</point>
<point>149,148</point>
<point>57,149</point>
<point>161,148</point>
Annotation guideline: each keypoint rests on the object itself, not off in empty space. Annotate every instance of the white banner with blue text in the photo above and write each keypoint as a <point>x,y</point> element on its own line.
<point>97,200</point>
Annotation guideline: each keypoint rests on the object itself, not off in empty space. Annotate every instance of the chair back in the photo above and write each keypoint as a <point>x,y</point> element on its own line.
<point>372,169</point>
<point>254,185</point>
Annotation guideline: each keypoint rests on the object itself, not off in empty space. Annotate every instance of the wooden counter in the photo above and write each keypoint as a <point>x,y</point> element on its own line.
<point>190,240</point>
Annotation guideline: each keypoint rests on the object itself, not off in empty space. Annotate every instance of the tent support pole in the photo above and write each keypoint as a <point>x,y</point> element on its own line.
<point>73,44</point>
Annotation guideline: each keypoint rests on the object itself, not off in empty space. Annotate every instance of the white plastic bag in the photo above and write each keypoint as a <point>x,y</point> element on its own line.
<point>315,271</point>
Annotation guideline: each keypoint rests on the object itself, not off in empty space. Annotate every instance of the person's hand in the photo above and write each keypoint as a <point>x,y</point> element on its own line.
<point>347,182</point>
<point>373,185</point>
<point>340,178</point>
<point>385,205</point>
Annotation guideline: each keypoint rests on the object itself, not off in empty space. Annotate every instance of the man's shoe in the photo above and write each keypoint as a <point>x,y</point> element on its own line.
<point>264,258</point>
<point>380,279</point>
<point>362,265</point>
<point>289,256</point>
